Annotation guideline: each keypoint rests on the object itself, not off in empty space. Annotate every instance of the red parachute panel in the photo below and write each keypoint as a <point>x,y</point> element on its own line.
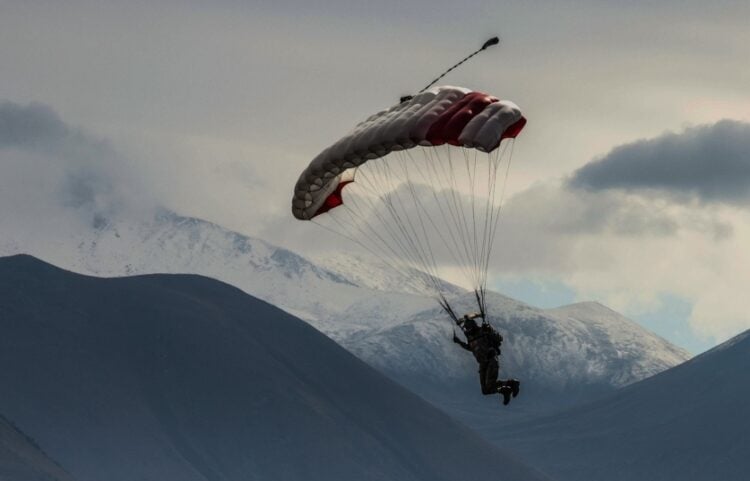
<point>334,199</point>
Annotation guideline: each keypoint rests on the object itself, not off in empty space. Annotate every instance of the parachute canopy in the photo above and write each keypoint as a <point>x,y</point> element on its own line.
<point>423,194</point>
<point>441,115</point>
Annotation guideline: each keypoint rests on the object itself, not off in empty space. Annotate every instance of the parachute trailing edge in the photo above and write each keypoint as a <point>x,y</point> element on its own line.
<point>441,115</point>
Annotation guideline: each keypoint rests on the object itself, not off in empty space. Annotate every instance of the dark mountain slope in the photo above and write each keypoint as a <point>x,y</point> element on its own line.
<point>168,377</point>
<point>690,423</point>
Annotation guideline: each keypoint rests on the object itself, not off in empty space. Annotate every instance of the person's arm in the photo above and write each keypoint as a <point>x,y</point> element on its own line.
<point>460,342</point>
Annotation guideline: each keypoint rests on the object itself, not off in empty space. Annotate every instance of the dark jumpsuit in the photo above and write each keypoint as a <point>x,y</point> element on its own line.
<point>484,342</point>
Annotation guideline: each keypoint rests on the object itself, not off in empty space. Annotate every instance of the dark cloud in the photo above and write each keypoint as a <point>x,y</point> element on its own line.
<point>710,162</point>
<point>32,125</point>
<point>45,161</point>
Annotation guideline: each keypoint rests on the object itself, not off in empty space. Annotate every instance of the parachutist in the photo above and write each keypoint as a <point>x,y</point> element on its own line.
<point>484,343</point>
<point>401,158</point>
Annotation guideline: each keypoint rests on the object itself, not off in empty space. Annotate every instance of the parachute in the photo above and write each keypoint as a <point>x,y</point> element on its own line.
<point>416,184</point>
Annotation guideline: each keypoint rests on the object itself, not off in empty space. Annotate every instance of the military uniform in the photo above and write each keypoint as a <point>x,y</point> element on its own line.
<point>484,343</point>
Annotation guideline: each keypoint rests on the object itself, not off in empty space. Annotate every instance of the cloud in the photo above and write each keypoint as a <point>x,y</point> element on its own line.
<point>625,247</point>
<point>709,162</point>
<point>630,251</point>
<point>48,166</point>
<point>30,126</point>
<point>550,229</point>
<point>652,220</point>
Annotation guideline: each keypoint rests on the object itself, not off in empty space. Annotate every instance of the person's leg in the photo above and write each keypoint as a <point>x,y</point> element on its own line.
<point>492,383</point>
<point>493,368</point>
<point>487,379</point>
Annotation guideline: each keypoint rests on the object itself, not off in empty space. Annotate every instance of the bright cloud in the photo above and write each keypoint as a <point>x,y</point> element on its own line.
<point>624,231</point>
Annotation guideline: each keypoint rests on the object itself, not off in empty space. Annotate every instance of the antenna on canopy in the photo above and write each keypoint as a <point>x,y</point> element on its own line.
<point>485,46</point>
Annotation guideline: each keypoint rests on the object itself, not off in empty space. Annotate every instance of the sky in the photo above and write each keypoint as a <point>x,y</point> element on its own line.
<point>630,184</point>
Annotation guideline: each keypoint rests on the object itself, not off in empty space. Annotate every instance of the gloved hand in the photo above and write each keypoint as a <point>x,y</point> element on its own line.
<point>455,338</point>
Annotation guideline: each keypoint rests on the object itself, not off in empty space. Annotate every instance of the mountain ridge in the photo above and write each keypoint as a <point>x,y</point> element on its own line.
<point>690,422</point>
<point>541,345</point>
<point>184,377</point>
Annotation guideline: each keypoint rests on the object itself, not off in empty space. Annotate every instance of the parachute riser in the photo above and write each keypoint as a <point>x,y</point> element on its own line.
<point>447,308</point>
<point>478,293</point>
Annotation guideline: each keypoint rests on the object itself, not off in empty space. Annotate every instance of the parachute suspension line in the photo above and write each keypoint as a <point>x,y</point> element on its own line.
<point>447,308</point>
<point>492,211</point>
<point>457,206</point>
<point>395,223</point>
<point>499,208</point>
<point>488,43</point>
<point>400,236</point>
<point>502,191</point>
<point>472,172</point>
<point>426,257</point>
<point>348,236</point>
<point>459,246</point>
<point>453,220</point>
<point>488,212</point>
<point>418,206</point>
<point>390,213</point>
<point>492,168</point>
<point>453,246</point>
<point>406,250</point>
<point>470,185</point>
<point>479,294</point>
<point>410,230</point>
<point>473,209</point>
<point>360,227</point>
<point>457,222</point>
<point>368,231</point>
<point>491,171</point>
<point>414,247</point>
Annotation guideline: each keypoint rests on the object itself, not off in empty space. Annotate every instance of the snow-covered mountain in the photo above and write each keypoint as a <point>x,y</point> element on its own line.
<point>181,377</point>
<point>168,243</point>
<point>563,355</point>
<point>690,423</point>
<point>22,460</point>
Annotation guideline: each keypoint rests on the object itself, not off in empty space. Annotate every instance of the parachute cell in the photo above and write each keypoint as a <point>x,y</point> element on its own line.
<point>452,115</point>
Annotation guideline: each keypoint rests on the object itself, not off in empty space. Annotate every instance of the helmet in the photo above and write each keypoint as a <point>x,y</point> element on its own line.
<point>468,323</point>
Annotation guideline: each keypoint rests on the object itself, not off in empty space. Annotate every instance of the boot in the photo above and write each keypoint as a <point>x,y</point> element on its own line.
<point>505,392</point>
<point>514,385</point>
